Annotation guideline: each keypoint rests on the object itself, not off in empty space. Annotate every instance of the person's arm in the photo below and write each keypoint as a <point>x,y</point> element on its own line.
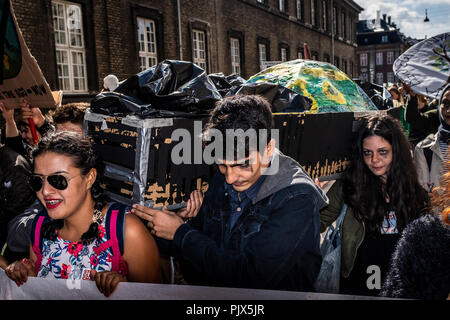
<point>331,212</point>
<point>3,262</point>
<point>427,122</point>
<point>10,124</point>
<point>41,123</point>
<point>20,270</point>
<point>143,259</point>
<point>140,254</point>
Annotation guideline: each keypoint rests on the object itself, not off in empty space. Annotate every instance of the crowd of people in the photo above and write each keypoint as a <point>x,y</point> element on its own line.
<point>250,229</point>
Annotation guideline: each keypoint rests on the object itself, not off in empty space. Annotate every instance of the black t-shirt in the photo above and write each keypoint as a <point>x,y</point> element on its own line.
<point>372,262</point>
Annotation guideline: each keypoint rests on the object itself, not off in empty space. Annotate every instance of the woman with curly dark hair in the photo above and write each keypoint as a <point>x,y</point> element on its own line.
<point>81,235</point>
<point>383,196</point>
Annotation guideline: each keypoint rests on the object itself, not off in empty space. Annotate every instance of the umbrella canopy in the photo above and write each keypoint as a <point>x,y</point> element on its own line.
<point>330,89</point>
<point>425,67</point>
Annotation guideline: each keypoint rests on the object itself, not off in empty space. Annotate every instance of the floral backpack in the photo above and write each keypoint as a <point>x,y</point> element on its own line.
<point>115,232</point>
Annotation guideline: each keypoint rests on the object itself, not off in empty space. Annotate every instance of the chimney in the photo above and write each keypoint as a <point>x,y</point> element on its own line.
<point>384,17</point>
<point>378,15</point>
<point>389,20</point>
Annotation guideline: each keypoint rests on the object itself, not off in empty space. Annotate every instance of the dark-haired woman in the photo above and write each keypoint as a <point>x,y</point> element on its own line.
<point>75,243</point>
<point>383,195</point>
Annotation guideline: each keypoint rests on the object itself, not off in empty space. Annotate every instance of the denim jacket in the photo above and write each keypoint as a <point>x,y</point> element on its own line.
<point>273,245</point>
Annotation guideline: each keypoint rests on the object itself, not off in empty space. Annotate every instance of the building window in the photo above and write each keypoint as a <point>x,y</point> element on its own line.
<point>363,59</point>
<point>364,76</point>
<point>336,62</point>
<point>344,66</point>
<point>282,5</point>
<point>343,21</point>
<point>235,56</point>
<point>283,54</point>
<point>351,69</point>
<point>199,48</point>
<point>324,15</point>
<point>379,58</point>
<point>262,50</point>
<point>148,56</point>
<point>69,46</point>
<point>300,9</point>
<point>379,78</point>
<point>313,12</point>
<point>350,25</point>
<point>384,39</point>
<point>326,57</point>
<point>390,77</point>
<point>315,55</point>
<point>335,24</point>
<point>390,57</point>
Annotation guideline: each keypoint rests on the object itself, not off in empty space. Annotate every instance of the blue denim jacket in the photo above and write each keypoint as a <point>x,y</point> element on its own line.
<point>273,245</point>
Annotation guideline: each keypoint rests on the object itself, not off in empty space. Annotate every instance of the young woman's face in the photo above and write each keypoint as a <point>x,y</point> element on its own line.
<point>377,155</point>
<point>445,107</point>
<point>61,204</point>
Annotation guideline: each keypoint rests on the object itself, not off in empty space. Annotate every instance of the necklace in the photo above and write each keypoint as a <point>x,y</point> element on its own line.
<point>97,217</point>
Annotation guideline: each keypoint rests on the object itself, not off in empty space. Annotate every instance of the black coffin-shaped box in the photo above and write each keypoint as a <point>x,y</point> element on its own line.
<point>142,156</point>
<point>137,154</point>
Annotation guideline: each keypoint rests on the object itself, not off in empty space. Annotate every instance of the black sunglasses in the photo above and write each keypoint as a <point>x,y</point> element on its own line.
<point>57,181</point>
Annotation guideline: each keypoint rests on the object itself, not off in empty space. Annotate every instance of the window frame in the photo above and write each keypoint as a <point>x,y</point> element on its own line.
<point>197,60</point>
<point>299,10</point>
<point>138,11</point>
<point>69,50</point>
<point>335,21</point>
<point>390,57</point>
<point>266,42</point>
<point>147,55</point>
<point>377,78</point>
<point>361,55</point>
<point>313,12</point>
<point>379,60</point>
<point>390,75</point>
<point>343,24</point>
<point>282,6</point>
<point>324,15</point>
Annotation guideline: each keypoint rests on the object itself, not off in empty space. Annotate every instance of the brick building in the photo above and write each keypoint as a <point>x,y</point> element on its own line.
<point>78,42</point>
<point>380,42</point>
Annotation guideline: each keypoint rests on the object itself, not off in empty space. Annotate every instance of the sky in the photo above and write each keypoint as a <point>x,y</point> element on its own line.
<point>408,15</point>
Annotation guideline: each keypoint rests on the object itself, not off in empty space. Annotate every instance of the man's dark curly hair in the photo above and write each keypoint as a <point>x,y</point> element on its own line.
<point>84,157</point>
<point>240,112</point>
<point>70,112</point>
<point>365,192</point>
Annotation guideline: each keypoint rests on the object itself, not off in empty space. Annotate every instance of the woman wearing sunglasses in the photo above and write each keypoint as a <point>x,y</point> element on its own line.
<point>76,243</point>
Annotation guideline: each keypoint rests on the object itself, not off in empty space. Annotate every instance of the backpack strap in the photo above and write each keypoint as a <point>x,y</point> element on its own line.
<point>36,239</point>
<point>115,231</point>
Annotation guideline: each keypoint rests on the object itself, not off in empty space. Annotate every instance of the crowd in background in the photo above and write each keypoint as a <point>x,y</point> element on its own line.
<point>248,230</point>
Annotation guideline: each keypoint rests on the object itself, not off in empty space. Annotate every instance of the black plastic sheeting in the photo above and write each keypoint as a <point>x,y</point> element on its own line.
<point>181,88</point>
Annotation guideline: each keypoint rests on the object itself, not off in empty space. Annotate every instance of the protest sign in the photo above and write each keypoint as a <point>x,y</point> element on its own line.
<point>425,67</point>
<point>20,75</point>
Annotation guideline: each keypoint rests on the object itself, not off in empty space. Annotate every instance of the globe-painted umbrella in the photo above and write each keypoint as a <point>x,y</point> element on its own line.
<point>330,89</point>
